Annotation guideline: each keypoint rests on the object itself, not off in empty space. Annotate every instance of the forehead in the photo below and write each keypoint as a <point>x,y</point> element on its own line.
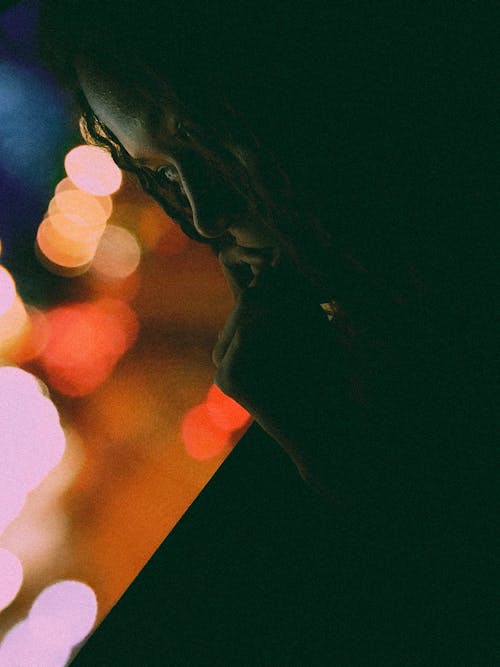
<point>136,106</point>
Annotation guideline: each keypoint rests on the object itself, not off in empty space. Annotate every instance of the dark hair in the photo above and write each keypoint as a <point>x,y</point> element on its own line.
<point>252,71</point>
<point>307,85</point>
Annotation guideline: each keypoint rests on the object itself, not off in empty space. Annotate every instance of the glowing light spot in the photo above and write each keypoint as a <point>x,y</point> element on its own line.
<point>66,184</point>
<point>118,254</point>
<point>55,243</point>
<point>225,412</point>
<point>64,613</point>
<point>92,169</point>
<point>11,577</point>
<point>159,233</point>
<point>35,339</point>
<point>13,317</point>
<point>84,343</point>
<point>201,437</point>
<point>21,647</point>
<point>31,438</point>
<point>82,206</point>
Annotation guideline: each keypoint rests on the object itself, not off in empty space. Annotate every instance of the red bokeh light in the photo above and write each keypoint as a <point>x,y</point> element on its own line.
<point>84,343</point>
<point>201,437</point>
<point>214,426</point>
<point>225,412</point>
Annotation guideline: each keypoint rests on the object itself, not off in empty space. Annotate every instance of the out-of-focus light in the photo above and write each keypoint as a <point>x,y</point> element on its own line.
<point>84,343</point>
<point>22,648</point>
<point>67,185</point>
<point>225,412</point>
<point>62,250</point>
<point>92,169</point>
<point>63,613</point>
<point>214,425</point>
<point>159,233</point>
<point>202,439</point>
<point>118,254</point>
<point>82,206</point>
<point>31,437</point>
<point>11,577</point>
<point>13,316</point>
<point>33,343</point>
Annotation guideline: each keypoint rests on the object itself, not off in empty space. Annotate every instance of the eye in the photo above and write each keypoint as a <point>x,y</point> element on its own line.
<point>167,174</point>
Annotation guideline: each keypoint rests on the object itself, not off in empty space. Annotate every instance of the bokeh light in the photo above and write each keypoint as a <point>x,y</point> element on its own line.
<point>13,317</point>
<point>213,426</point>
<point>67,185</point>
<point>225,412</point>
<point>23,648</point>
<point>61,250</point>
<point>83,206</point>
<point>92,169</point>
<point>33,343</point>
<point>118,254</point>
<point>11,577</point>
<point>31,437</point>
<point>65,611</point>
<point>202,439</point>
<point>85,341</point>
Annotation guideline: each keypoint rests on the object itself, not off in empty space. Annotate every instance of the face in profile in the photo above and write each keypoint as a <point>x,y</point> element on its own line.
<point>214,179</point>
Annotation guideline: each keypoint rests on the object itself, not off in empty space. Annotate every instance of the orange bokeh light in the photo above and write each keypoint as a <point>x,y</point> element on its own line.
<point>92,169</point>
<point>66,185</point>
<point>82,206</point>
<point>14,322</point>
<point>61,250</point>
<point>85,341</point>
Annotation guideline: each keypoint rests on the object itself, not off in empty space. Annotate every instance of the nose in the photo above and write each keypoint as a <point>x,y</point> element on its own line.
<point>212,202</point>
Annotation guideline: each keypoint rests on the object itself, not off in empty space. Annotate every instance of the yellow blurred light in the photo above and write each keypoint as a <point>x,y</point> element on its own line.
<point>92,169</point>
<point>118,254</point>
<point>65,612</point>
<point>82,206</point>
<point>11,577</point>
<point>67,185</point>
<point>14,320</point>
<point>61,250</point>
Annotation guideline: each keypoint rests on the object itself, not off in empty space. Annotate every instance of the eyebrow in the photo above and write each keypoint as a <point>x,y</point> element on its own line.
<point>140,160</point>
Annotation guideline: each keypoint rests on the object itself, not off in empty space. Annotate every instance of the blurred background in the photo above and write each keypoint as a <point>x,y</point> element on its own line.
<point>110,425</point>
